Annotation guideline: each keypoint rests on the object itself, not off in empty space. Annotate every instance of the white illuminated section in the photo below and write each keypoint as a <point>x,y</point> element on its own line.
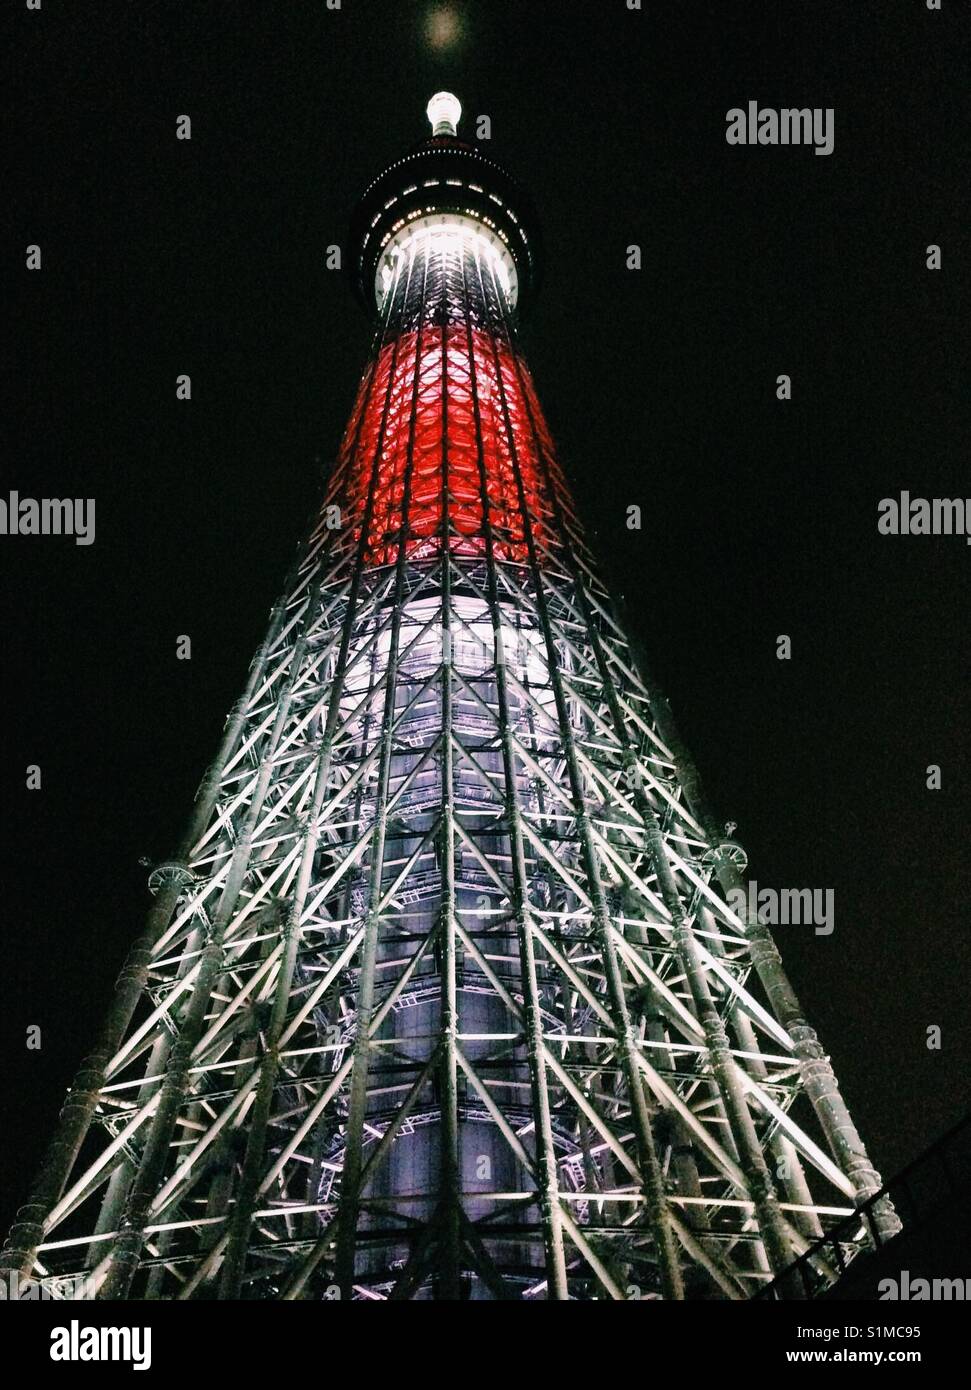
<point>473,646</point>
<point>444,111</point>
<point>448,236</point>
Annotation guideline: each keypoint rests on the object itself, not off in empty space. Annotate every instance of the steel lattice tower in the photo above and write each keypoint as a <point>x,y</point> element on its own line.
<point>442,995</point>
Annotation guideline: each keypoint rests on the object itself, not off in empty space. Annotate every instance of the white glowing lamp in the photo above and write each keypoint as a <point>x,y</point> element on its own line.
<point>444,111</point>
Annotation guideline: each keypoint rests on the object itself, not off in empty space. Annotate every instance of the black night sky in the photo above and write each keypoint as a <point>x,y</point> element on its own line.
<point>163,257</point>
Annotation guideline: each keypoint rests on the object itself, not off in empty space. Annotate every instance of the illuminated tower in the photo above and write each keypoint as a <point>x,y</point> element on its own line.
<point>444,994</point>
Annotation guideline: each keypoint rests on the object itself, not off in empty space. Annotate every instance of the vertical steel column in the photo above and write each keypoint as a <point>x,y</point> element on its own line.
<point>794,1178</point>
<point>546,1174</point>
<point>311,1220</point>
<point>451,1199</point>
<point>651,1175</point>
<point>357,1108</point>
<point>234,1259</point>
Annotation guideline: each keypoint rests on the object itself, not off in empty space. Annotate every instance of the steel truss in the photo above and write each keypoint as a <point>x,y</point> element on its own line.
<point>442,995</point>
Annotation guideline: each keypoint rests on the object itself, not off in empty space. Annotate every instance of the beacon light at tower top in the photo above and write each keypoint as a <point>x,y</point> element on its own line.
<point>444,111</point>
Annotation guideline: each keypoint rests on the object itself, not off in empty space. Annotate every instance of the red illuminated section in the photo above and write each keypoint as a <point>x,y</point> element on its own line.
<point>428,408</point>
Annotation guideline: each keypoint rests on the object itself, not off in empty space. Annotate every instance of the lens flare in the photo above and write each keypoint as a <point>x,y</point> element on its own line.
<point>443,28</point>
